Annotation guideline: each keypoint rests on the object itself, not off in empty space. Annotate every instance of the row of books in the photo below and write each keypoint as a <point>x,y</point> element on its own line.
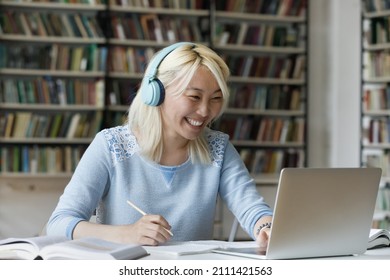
<point>122,92</point>
<point>267,66</point>
<point>376,64</point>
<point>376,98</point>
<point>262,97</point>
<point>379,158</point>
<point>377,131</point>
<point>382,223</point>
<point>50,124</point>
<point>383,201</point>
<point>55,57</point>
<point>256,34</point>
<point>383,205</point>
<point>129,59</point>
<point>155,28</point>
<point>50,24</point>
<point>263,129</point>
<point>115,118</point>
<point>265,97</point>
<point>376,5</point>
<point>46,90</point>
<point>271,161</point>
<point>169,4</point>
<point>377,31</point>
<point>40,159</point>
<point>275,7</point>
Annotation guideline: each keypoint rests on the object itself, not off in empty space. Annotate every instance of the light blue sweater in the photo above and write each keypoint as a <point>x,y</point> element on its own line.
<point>112,171</point>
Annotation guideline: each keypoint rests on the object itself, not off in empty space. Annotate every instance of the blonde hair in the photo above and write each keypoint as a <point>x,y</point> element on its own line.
<point>177,69</point>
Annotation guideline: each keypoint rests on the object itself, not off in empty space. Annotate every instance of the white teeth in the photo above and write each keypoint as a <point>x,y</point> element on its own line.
<point>194,122</point>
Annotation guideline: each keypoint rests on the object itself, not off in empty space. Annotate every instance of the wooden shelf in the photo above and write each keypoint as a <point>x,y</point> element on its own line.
<point>39,6</point>
<point>260,17</point>
<point>159,11</point>
<point>51,39</point>
<point>259,49</point>
<point>50,107</point>
<point>46,140</point>
<point>53,73</point>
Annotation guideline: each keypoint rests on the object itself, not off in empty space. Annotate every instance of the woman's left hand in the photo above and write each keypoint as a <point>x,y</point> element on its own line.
<point>262,238</point>
<point>262,231</point>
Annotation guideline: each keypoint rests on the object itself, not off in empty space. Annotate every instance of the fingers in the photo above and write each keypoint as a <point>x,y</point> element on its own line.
<point>152,230</point>
<point>158,220</point>
<point>158,226</point>
<point>262,238</point>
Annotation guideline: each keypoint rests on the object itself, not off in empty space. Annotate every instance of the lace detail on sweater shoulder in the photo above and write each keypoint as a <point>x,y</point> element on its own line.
<point>217,142</point>
<point>121,142</point>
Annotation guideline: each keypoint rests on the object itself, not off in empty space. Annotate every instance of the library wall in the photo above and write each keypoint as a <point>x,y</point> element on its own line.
<point>25,207</point>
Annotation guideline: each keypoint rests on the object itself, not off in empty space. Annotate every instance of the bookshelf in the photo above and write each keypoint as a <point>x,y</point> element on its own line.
<point>375,106</point>
<point>52,87</point>
<point>264,45</point>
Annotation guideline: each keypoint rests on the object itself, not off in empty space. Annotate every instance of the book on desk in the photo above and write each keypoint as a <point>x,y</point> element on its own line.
<point>378,238</point>
<point>60,248</point>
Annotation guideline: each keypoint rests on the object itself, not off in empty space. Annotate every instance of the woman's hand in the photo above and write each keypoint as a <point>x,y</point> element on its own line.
<point>263,238</point>
<point>149,230</point>
<point>262,232</point>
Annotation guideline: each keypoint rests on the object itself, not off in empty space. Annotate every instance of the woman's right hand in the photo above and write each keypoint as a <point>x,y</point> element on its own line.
<point>149,230</point>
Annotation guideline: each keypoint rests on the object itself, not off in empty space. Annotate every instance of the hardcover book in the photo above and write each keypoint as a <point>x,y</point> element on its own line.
<point>61,248</point>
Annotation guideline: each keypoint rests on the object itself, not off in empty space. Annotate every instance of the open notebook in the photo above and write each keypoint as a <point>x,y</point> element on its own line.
<point>320,212</point>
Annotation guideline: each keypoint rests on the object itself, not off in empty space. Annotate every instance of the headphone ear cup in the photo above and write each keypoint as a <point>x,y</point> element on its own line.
<point>154,93</point>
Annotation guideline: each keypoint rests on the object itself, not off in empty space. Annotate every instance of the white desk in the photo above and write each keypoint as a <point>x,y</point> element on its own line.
<point>375,254</point>
<point>306,269</point>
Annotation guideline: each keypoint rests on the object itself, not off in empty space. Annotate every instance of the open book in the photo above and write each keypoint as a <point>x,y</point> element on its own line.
<point>60,248</point>
<point>379,238</point>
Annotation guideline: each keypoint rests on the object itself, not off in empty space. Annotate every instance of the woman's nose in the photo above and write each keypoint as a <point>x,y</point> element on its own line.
<point>203,109</point>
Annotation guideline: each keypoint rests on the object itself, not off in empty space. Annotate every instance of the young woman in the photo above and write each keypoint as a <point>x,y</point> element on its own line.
<point>165,160</point>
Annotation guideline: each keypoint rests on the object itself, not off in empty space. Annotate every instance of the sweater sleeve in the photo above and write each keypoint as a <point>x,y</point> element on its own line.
<point>238,190</point>
<point>84,191</point>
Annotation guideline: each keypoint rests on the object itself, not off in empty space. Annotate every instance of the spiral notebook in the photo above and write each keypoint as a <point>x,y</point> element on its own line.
<point>320,212</point>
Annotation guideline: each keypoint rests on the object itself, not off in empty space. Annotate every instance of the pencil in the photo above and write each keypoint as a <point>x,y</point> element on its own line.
<point>136,208</point>
<point>143,213</point>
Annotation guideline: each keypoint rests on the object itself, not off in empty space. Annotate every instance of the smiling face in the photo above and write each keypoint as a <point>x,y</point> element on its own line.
<point>186,115</point>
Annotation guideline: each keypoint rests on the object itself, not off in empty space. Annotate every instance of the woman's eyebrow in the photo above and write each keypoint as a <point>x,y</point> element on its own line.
<point>201,90</point>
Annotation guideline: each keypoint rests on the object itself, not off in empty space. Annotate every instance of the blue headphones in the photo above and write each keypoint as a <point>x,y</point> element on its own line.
<point>153,92</point>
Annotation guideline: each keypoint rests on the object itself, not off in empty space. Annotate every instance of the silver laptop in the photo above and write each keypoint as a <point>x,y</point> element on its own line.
<point>322,212</point>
